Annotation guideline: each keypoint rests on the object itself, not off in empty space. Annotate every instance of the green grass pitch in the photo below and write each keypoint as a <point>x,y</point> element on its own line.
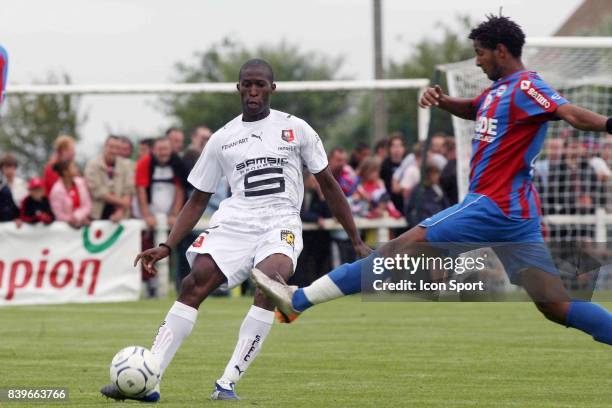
<point>344,353</point>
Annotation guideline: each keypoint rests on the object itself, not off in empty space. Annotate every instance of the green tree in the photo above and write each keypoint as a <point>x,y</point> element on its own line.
<point>222,62</point>
<point>453,46</point>
<point>32,122</point>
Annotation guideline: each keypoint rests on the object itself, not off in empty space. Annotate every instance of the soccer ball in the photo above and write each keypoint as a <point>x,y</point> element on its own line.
<point>134,371</point>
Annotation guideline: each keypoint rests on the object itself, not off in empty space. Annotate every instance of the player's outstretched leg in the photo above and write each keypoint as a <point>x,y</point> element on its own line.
<point>552,300</point>
<point>204,278</point>
<point>342,281</point>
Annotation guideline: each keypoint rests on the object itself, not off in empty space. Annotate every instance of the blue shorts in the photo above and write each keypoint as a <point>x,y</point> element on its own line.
<point>478,222</point>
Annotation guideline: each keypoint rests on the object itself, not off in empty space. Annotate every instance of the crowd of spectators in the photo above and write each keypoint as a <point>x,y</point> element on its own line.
<point>573,177</point>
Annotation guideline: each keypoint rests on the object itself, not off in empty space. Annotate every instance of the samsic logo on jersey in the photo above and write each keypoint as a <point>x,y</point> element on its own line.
<point>287,135</point>
<point>262,160</point>
<point>288,237</point>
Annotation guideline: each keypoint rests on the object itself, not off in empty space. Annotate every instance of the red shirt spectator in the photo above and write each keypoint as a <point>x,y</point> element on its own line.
<point>64,151</point>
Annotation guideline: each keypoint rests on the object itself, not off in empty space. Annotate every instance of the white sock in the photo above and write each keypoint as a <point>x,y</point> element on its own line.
<point>322,290</point>
<point>173,330</point>
<point>253,332</point>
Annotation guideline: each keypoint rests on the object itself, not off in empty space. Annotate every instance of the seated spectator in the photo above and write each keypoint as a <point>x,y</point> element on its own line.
<point>18,186</point>
<point>8,210</point>
<point>371,199</point>
<point>69,196</point>
<point>64,147</point>
<point>110,178</point>
<point>431,199</point>
<point>35,207</point>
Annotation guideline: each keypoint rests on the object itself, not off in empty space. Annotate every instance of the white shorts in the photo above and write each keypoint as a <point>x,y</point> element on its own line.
<point>236,250</point>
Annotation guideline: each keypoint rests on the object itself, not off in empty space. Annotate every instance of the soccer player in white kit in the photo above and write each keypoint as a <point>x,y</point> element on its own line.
<point>261,153</point>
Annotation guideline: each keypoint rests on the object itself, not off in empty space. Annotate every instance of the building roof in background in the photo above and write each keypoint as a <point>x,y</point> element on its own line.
<point>590,14</point>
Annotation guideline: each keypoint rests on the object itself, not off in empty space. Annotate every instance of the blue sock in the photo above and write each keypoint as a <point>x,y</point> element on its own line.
<point>591,318</point>
<point>346,277</point>
<point>299,301</point>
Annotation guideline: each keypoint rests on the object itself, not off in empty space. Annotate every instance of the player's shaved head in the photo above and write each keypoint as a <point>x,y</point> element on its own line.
<point>260,64</point>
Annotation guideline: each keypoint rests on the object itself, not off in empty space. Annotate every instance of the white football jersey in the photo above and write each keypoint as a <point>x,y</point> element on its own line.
<point>263,164</point>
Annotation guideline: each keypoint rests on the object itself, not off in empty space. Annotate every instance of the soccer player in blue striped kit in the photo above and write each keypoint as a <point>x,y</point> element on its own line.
<point>502,205</point>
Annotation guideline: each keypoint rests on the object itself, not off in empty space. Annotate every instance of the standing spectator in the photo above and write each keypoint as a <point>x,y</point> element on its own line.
<point>397,151</point>
<point>316,255</point>
<point>348,181</point>
<point>432,198</point>
<point>412,174</point>
<point>158,186</point>
<point>448,177</point>
<point>342,171</point>
<point>18,187</point>
<point>8,210</point>
<point>70,200</point>
<point>159,190</point>
<point>553,155</point>
<point>177,139</point>
<point>381,149</point>
<point>198,139</point>
<point>126,149</point>
<point>64,150</point>
<point>35,207</point>
<point>144,147</point>
<point>360,152</point>
<point>110,178</point>
<point>435,154</point>
<point>371,198</point>
<point>437,149</point>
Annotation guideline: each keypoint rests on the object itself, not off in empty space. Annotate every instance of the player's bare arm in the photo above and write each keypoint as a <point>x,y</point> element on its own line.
<point>581,118</point>
<point>461,107</point>
<point>179,200</point>
<point>340,209</point>
<point>185,222</point>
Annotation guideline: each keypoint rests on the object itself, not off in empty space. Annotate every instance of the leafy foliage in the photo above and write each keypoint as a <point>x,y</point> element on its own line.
<point>32,122</point>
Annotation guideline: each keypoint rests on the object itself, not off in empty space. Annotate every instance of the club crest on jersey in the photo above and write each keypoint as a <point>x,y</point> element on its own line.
<point>287,135</point>
<point>501,90</point>
<point>288,237</point>
<point>487,101</point>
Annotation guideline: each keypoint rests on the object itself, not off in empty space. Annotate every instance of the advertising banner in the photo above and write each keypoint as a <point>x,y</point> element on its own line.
<point>60,264</point>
